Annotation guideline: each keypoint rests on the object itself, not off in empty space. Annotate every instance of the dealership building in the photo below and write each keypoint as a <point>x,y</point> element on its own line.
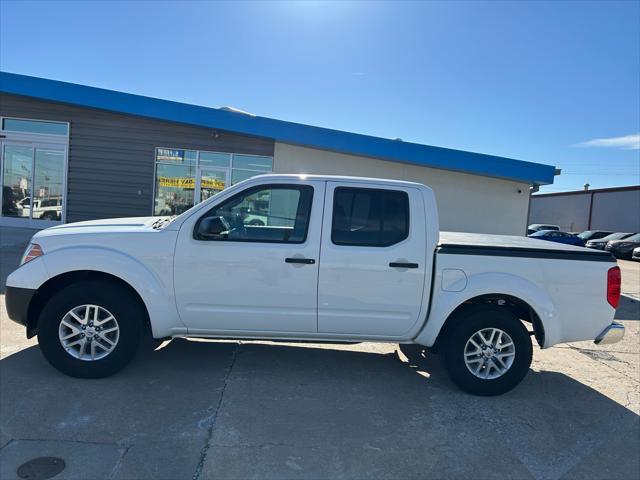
<point>72,152</point>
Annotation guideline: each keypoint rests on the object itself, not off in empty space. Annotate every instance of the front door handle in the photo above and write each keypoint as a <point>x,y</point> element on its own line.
<point>403,265</point>
<point>306,261</point>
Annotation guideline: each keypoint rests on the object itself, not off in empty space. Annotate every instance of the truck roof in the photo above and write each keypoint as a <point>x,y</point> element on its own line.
<point>336,178</point>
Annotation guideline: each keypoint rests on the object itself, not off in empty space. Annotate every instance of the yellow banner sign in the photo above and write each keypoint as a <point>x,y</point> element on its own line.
<point>190,183</point>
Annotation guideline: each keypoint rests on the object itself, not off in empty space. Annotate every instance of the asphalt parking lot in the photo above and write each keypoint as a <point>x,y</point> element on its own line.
<point>208,409</point>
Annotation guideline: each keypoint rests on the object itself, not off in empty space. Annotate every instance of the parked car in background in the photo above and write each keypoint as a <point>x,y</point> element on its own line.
<point>593,234</point>
<point>636,254</point>
<point>560,237</point>
<point>602,242</point>
<point>42,208</point>
<point>537,227</point>
<point>624,248</point>
<point>47,208</point>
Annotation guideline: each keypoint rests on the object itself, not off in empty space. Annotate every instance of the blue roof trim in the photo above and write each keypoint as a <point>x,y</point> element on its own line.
<point>281,131</point>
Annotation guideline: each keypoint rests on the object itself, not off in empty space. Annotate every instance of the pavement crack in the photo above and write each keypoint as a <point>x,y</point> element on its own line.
<point>205,449</point>
<point>116,468</point>
<point>604,361</point>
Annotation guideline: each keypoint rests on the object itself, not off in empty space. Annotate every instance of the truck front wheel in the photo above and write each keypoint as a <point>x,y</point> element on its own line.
<point>90,329</point>
<point>488,352</point>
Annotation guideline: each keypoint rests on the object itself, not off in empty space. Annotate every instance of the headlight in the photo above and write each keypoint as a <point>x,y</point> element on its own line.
<point>33,251</point>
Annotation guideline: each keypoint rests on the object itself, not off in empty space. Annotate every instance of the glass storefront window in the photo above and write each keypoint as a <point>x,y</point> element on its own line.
<point>35,126</point>
<point>175,155</point>
<point>48,184</point>
<point>186,177</point>
<point>16,184</point>
<point>175,188</point>
<point>215,159</point>
<point>253,162</point>
<point>240,175</point>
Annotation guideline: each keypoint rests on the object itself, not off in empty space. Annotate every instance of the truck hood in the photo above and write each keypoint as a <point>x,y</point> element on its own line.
<point>506,241</point>
<point>109,225</point>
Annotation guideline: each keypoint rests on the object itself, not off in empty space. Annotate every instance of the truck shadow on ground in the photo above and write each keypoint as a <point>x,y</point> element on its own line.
<point>628,309</point>
<point>234,410</point>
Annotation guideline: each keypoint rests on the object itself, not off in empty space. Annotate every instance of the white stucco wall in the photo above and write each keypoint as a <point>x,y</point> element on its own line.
<point>467,203</point>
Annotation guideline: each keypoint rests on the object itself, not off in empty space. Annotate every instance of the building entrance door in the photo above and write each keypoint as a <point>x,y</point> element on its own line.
<point>33,184</point>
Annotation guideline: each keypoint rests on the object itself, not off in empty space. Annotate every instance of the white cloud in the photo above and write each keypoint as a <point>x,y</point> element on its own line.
<point>627,142</point>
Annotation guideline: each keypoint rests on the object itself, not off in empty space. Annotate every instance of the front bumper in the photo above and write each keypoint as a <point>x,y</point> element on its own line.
<point>17,301</point>
<point>612,334</point>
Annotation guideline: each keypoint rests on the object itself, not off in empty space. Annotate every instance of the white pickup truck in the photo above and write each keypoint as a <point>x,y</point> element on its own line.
<point>335,259</point>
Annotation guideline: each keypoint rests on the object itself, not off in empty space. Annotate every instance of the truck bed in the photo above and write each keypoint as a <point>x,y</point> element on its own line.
<point>508,245</point>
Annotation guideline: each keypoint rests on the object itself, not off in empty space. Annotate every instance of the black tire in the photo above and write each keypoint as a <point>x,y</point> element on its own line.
<point>467,323</point>
<point>118,300</point>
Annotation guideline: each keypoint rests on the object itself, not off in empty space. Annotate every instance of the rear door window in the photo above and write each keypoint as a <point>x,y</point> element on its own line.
<point>369,217</point>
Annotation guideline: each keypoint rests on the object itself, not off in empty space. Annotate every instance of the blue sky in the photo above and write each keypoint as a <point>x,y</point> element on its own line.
<point>536,81</point>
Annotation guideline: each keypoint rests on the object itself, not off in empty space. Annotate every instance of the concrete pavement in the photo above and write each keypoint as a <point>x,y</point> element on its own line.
<point>208,409</point>
<point>630,278</point>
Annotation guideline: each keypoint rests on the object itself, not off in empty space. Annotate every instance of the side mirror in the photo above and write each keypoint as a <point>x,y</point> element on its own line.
<point>213,228</point>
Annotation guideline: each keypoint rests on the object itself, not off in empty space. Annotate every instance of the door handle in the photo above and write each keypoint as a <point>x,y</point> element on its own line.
<point>306,261</point>
<point>403,265</point>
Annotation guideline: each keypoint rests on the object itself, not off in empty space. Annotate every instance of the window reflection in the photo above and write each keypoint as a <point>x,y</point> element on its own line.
<point>47,184</point>
<point>16,184</point>
<point>175,187</point>
<point>179,172</point>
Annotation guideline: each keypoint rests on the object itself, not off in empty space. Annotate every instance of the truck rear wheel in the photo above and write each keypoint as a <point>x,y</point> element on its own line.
<point>488,352</point>
<point>90,329</point>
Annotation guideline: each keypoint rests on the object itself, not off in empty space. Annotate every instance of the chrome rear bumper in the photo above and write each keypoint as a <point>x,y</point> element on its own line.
<point>612,334</point>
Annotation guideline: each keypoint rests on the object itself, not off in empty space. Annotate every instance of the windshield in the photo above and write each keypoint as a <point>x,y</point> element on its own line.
<point>539,233</point>
<point>587,234</point>
<point>633,238</point>
<point>617,236</point>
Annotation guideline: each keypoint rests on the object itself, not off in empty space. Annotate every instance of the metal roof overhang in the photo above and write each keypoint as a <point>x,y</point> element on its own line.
<point>278,130</point>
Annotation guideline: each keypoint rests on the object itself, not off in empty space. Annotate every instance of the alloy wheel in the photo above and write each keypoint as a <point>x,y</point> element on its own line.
<point>89,332</point>
<point>489,353</point>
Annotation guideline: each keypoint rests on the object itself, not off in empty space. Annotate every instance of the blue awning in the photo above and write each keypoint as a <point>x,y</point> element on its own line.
<point>278,130</point>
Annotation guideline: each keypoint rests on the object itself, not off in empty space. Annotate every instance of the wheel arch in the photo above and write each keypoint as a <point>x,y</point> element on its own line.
<point>525,297</point>
<point>520,308</point>
<point>62,280</point>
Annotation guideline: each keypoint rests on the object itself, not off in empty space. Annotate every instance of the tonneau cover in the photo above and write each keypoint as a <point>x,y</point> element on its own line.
<point>468,243</point>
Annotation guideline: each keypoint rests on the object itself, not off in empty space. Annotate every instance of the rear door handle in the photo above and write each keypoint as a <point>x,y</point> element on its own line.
<point>403,265</point>
<point>306,261</point>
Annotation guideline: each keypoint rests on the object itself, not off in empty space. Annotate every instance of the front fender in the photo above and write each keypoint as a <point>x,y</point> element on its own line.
<point>156,293</point>
<point>445,302</point>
